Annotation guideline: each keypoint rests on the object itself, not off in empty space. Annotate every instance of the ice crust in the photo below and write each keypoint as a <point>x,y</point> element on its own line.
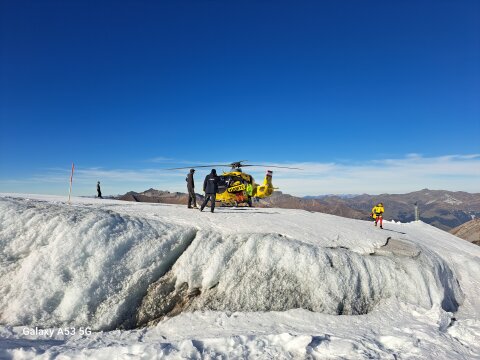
<point>270,272</point>
<point>252,283</point>
<point>80,266</point>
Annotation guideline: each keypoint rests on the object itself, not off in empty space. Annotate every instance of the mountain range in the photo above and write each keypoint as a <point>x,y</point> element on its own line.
<point>440,208</point>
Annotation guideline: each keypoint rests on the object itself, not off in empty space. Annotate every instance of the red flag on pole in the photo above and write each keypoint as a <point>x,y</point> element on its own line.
<point>71,180</point>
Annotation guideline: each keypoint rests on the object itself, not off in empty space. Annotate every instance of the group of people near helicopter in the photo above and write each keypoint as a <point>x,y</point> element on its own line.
<point>210,187</point>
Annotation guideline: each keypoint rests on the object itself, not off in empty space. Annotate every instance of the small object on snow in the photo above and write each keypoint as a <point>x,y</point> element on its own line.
<point>194,292</point>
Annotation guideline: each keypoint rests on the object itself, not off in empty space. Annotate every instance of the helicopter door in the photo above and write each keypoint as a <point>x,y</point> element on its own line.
<point>222,184</point>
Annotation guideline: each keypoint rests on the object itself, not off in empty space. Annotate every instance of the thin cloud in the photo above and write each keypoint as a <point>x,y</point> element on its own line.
<point>160,159</point>
<point>410,173</point>
<point>453,172</point>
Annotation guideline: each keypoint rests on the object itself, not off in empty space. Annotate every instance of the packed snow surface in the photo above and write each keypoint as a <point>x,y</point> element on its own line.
<point>136,280</point>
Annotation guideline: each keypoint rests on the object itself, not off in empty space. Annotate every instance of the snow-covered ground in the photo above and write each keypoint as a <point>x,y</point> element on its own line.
<point>146,281</point>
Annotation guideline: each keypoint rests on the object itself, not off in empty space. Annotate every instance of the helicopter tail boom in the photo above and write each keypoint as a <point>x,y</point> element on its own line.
<point>266,189</point>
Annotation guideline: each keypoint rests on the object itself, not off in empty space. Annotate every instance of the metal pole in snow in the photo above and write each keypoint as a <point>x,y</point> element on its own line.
<point>416,212</point>
<point>71,179</point>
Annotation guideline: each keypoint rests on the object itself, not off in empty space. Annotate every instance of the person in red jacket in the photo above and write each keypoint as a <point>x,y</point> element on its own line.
<point>377,214</point>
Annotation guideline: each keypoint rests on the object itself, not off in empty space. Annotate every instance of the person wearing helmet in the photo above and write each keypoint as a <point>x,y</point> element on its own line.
<point>191,190</point>
<point>99,191</point>
<point>210,187</point>
<point>377,214</point>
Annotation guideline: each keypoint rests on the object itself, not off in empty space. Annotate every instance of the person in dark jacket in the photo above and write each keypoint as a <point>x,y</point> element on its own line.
<point>99,191</point>
<point>210,187</point>
<point>191,190</point>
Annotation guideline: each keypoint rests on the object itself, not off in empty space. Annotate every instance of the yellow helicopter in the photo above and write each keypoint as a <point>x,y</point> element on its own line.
<point>236,187</point>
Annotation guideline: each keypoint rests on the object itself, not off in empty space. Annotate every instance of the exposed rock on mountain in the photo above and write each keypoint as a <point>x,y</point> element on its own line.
<point>440,208</point>
<point>157,196</point>
<point>469,231</point>
<point>285,201</point>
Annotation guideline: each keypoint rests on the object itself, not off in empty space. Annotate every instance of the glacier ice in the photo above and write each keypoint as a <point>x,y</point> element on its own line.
<point>112,265</point>
<point>88,266</point>
<point>270,272</point>
<point>80,266</point>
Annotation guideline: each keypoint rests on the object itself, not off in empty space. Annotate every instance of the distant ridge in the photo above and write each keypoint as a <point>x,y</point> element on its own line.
<point>157,196</point>
<point>440,208</point>
<point>469,231</point>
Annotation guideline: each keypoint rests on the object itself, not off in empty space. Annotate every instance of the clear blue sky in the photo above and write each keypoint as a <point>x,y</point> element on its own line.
<point>114,84</point>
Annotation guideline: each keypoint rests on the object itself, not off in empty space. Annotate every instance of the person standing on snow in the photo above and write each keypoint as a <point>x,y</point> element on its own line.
<point>377,214</point>
<point>99,191</point>
<point>210,187</point>
<point>191,190</point>
<point>249,191</point>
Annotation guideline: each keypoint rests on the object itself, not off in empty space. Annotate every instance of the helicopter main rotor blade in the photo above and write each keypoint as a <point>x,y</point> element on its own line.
<point>236,164</point>
<point>198,166</point>
<point>273,166</point>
